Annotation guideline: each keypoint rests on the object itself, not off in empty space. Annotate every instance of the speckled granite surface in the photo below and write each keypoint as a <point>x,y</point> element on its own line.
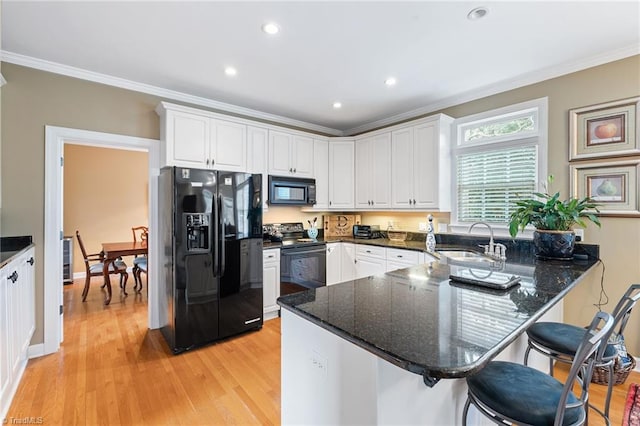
<point>13,246</point>
<point>416,319</point>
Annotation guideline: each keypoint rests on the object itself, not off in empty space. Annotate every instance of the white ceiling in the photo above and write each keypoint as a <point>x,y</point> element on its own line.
<point>325,52</point>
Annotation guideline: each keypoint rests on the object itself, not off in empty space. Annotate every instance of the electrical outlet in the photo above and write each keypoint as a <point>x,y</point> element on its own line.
<point>442,228</point>
<point>422,226</point>
<point>579,233</point>
<point>318,364</point>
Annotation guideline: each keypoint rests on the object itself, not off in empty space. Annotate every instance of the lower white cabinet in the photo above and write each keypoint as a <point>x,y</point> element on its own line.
<point>334,263</point>
<point>370,260</point>
<point>271,281</point>
<point>17,322</point>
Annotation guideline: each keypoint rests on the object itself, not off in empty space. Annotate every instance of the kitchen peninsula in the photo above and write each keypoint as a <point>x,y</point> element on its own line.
<point>395,348</point>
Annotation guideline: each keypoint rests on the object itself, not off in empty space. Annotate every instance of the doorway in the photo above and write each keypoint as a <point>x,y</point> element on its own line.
<point>55,140</point>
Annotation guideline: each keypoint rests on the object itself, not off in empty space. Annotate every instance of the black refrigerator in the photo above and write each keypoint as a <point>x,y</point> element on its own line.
<point>211,256</point>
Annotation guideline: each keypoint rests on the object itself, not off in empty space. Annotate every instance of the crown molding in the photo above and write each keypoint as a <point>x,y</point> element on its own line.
<point>503,86</point>
<point>56,68</point>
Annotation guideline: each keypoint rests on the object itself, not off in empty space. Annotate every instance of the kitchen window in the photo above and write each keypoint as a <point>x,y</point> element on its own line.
<point>499,156</point>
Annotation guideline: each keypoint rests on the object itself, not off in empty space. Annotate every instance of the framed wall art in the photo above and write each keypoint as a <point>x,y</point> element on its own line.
<point>612,184</point>
<point>604,130</point>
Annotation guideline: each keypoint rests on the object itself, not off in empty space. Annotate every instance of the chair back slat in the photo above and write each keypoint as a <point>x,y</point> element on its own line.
<point>140,233</point>
<point>82,249</point>
<point>584,360</point>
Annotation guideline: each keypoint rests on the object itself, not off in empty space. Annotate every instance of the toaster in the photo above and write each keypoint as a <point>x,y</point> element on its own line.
<point>366,231</point>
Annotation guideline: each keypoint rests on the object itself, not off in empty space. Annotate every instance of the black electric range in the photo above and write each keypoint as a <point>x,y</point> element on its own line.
<point>302,259</point>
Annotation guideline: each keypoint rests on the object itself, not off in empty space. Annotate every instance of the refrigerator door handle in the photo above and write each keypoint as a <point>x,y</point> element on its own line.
<point>222,238</point>
<point>216,237</point>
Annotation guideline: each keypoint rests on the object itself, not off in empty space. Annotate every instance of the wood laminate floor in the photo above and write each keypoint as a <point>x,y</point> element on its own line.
<point>112,370</point>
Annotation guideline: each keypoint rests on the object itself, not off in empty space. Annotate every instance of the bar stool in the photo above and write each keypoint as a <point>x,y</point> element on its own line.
<point>560,341</point>
<point>507,392</point>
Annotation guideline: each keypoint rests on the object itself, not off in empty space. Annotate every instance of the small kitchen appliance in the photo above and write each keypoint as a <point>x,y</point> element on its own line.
<point>367,232</point>
<point>290,191</point>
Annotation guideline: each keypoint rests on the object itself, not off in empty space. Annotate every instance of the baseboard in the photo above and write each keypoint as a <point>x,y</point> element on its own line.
<point>82,275</point>
<point>35,351</point>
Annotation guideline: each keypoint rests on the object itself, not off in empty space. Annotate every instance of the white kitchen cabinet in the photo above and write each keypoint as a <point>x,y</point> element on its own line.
<point>321,173</point>
<point>420,165</point>
<point>17,322</point>
<point>271,281</point>
<point>400,259</point>
<point>199,139</point>
<point>334,263</point>
<point>290,154</point>
<point>373,172</point>
<point>348,262</point>
<point>370,260</point>
<point>257,144</point>
<point>341,174</point>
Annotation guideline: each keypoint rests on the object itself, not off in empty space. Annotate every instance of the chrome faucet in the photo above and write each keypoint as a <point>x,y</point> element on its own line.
<point>496,251</point>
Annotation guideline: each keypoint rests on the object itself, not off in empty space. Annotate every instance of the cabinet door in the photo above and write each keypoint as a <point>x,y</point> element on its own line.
<point>280,153</point>
<point>402,163</point>
<point>257,158</point>
<point>271,279</point>
<point>363,173</point>
<point>302,156</point>
<point>29,302</point>
<point>187,139</point>
<point>348,262</point>
<point>321,173</point>
<point>334,263</point>
<point>228,146</point>
<point>5,331</point>
<point>425,171</point>
<point>341,175</point>
<point>380,169</point>
<point>366,266</point>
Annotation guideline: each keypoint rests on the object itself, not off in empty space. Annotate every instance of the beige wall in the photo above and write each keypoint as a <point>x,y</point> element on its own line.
<point>105,195</point>
<point>34,99</point>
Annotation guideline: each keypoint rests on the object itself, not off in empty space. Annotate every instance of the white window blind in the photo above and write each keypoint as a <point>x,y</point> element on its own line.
<point>489,182</point>
<point>502,163</point>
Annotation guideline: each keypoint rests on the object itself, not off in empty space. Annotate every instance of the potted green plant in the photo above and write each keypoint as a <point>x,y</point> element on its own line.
<point>554,220</point>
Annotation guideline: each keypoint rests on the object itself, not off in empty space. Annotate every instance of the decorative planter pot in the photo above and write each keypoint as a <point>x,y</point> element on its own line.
<point>554,244</point>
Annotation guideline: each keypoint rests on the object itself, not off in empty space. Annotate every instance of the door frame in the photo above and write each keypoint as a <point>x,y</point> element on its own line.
<point>55,138</point>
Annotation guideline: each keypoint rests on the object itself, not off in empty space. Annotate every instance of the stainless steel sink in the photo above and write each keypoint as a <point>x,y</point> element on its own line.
<point>465,256</point>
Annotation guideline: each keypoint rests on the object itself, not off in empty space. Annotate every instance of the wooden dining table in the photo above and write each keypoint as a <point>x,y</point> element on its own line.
<point>112,251</point>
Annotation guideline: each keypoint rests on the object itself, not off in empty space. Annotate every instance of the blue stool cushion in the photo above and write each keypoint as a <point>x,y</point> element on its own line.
<point>139,259</point>
<point>521,393</point>
<point>561,338</point>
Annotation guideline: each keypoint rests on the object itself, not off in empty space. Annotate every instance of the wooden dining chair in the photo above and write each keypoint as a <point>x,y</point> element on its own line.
<point>140,233</point>
<point>94,264</point>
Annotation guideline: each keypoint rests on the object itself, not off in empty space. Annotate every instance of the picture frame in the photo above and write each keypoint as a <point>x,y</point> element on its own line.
<point>604,130</point>
<point>614,185</point>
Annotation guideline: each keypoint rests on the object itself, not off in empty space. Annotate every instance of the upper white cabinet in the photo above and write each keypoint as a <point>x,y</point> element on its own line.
<point>341,174</point>
<point>290,154</point>
<point>257,144</point>
<point>321,173</point>
<point>195,138</point>
<point>373,172</point>
<point>420,167</point>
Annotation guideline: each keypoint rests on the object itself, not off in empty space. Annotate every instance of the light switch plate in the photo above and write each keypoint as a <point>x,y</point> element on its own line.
<point>422,226</point>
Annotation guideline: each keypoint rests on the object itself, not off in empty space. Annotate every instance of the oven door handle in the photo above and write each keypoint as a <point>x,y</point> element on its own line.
<point>289,252</point>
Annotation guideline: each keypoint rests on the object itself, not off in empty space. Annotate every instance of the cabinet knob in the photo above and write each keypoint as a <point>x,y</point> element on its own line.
<point>294,170</point>
<point>13,277</point>
<point>372,203</point>
<point>414,202</point>
<point>290,170</point>
<point>271,256</point>
<point>31,261</point>
<point>207,161</point>
<point>212,162</point>
<point>329,202</point>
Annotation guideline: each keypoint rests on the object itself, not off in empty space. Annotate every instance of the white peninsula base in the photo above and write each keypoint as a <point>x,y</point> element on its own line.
<point>327,380</point>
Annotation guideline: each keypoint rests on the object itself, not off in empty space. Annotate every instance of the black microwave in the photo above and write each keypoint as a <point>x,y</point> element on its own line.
<point>291,191</point>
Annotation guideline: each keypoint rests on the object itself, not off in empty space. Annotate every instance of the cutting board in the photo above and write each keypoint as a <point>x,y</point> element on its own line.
<point>340,225</point>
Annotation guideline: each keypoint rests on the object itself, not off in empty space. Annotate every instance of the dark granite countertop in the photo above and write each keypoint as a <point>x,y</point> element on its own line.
<point>416,319</point>
<point>11,247</point>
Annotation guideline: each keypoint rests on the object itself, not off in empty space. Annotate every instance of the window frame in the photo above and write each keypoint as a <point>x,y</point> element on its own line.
<point>537,137</point>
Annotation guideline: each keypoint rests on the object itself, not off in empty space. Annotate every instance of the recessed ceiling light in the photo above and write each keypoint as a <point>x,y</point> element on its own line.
<point>271,28</point>
<point>477,13</point>
<point>391,81</point>
<point>337,105</point>
<point>230,71</point>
